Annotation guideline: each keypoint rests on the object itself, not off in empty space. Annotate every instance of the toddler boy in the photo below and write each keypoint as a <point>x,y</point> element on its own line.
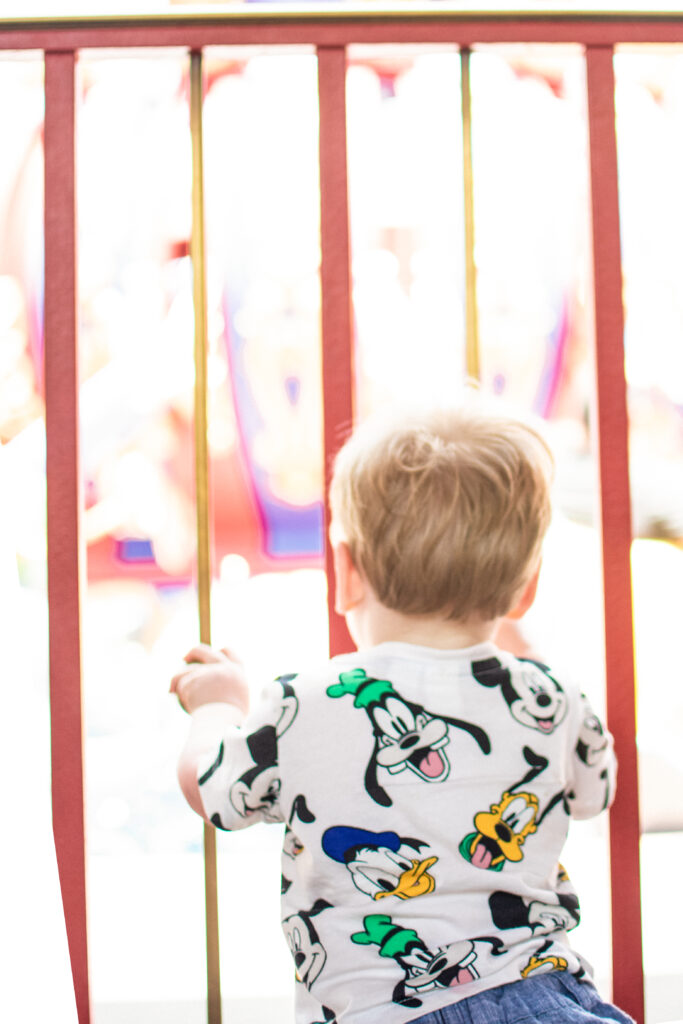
<point>426,781</point>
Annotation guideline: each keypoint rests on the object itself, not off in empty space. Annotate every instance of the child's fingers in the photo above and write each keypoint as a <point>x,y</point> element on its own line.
<point>207,684</point>
<point>185,677</point>
<point>177,680</point>
<point>202,653</point>
<point>230,655</point>
<point>183,685</point>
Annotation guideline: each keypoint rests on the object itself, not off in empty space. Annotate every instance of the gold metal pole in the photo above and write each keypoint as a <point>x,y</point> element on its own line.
<point>197,250</point>
<point>471,321</point>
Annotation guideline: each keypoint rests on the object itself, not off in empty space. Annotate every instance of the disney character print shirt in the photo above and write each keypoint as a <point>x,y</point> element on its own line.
<point>425,797</point>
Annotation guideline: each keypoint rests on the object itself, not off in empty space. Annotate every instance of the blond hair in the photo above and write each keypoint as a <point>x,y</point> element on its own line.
<point>444,514</point>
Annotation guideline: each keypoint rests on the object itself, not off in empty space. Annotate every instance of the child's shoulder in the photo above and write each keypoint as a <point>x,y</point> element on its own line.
<point>314,678</point>
<point>557,676</point>
<point>528,686</point>
<point>348,673</point>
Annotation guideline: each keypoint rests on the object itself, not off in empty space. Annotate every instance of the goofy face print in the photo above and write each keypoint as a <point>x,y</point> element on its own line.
<point>407,736</point>
<point>424,969</point>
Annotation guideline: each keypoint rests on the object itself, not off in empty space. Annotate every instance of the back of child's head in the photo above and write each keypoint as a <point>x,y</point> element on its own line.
<point>444,513</point>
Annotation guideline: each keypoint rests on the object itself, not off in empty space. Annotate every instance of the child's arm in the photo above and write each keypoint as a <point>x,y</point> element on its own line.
<point>213,690</point>
<point>210,722</point>
<point>593,768</point>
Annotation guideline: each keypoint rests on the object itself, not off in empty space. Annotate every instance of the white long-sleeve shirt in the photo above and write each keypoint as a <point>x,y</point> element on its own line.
<point>426,796</point>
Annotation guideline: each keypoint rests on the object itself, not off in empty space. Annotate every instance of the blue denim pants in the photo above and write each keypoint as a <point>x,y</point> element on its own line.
<point>548,999</point>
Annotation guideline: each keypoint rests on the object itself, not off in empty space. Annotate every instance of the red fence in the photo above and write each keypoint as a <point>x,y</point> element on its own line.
<point>331,35</point>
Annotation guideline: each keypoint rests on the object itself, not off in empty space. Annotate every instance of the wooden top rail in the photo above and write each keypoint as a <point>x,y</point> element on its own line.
<point>339,27</point>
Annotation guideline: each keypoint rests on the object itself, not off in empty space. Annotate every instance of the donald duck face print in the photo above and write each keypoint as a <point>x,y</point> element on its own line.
<point>381,864</point>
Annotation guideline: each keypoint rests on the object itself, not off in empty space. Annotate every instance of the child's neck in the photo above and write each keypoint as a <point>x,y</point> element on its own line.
<point>373,624</point>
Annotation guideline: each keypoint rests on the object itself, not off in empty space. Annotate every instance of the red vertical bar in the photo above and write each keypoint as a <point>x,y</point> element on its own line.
<point>615,502</point>
<point>335,278</point>
<point>63,508</point>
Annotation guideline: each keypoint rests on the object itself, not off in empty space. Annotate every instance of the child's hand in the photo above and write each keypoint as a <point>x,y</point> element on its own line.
<point>211,677</point>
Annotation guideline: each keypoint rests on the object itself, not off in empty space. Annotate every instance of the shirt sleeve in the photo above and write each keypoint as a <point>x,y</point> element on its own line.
<point>593,766</point>
<point>239,782</point>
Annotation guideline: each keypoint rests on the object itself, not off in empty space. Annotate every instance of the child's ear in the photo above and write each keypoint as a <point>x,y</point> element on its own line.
<point>349,584</point>
<point>527,599</point>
